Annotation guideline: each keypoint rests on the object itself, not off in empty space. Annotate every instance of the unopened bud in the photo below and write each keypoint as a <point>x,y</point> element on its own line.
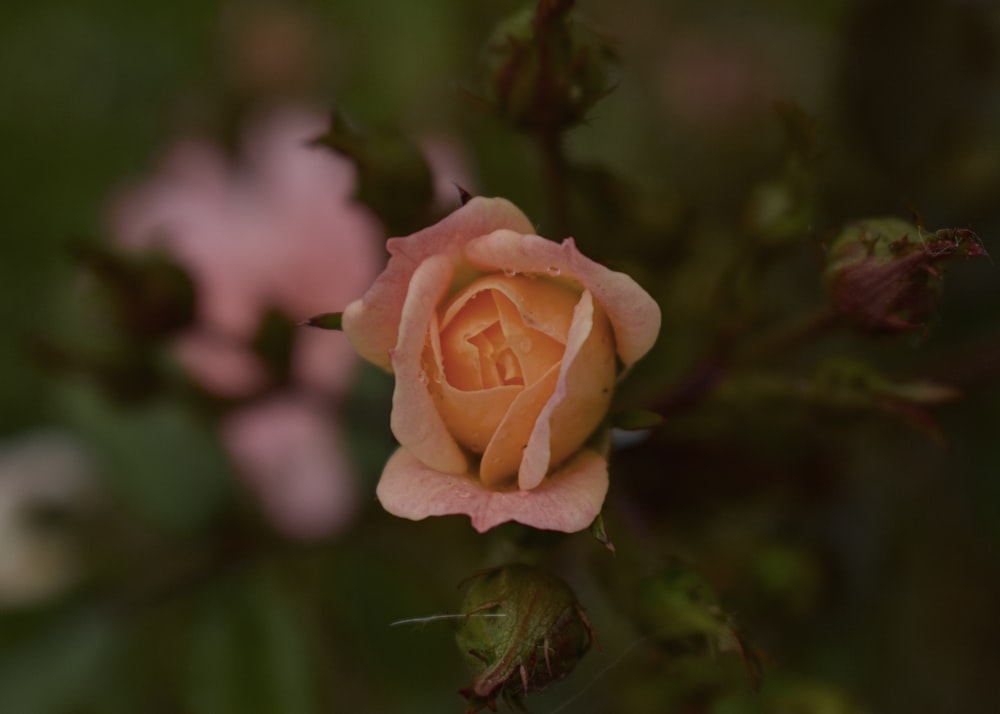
<point>523,630</point>
<point>393,177</point>
<point>883,274</point>
<point>544,70</point>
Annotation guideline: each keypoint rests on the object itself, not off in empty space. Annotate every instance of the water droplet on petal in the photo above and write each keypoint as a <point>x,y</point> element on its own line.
<point>422,376</point>
<point>554,270</point>
<point>510,273</point>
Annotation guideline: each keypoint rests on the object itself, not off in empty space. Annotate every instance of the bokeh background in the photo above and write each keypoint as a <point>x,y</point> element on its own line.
<point>146,566</point>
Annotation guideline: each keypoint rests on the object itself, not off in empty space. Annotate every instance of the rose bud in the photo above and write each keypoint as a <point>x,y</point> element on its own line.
<point>506,348</point>
<point>883,273</point>
<point>544,70</point>
<point>523,630</point>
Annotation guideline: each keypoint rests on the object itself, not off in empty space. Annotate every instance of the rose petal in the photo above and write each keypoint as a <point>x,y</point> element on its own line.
<point>634,315</point>
<point>461,357</point>
<point>415,421</point>
<point>372,322</point>
<point>579,399</point>
<point>503,455</point>
<point>473,417</point>
<point>544,305</point>
<point>536,352</point>
<point>567,501</point>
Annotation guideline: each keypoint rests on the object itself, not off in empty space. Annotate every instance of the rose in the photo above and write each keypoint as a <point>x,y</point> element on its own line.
<point>504,347</point>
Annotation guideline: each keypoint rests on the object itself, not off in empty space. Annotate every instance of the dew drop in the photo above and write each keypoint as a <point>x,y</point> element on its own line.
<point>510,273</point>
<point>422,376</point>
<point>554,270</point>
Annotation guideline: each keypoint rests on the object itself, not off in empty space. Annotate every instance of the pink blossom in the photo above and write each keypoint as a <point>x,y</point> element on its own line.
<point>290,453</point>
<point>275,228</point>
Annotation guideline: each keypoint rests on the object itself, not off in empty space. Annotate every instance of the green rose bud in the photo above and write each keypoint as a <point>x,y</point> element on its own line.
<point>544,70</point>
<point>523,630</point>
<point>883,273</point>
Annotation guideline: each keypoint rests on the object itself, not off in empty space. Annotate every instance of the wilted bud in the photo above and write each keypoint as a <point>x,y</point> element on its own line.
<point>544,70</point>
<point>523,630</point>
<point>883,273</point>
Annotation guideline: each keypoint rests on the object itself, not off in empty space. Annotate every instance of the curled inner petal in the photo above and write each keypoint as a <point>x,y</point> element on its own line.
<point>498,365</point>
<point>492,364</point>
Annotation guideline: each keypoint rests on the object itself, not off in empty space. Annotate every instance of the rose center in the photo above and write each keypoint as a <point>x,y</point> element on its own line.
<point>498,365</point>
<point>504,331</point>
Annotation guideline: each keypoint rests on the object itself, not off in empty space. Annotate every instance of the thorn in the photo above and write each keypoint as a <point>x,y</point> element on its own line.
<point>463,195</point>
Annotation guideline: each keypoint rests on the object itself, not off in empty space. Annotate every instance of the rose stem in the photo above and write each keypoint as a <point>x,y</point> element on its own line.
<point>554,177</point>
<point>788,335</point>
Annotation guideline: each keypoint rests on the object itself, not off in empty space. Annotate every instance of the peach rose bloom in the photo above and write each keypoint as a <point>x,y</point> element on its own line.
<point>506,349</point>
<point>277,228</point>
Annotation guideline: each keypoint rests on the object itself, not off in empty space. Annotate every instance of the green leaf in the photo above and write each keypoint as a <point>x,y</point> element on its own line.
<point>636,419</point>
<point>58,667</point>
<point>600,533</point>
<point>249,653</point>
<point>326,321</point>
<point>160,460</point>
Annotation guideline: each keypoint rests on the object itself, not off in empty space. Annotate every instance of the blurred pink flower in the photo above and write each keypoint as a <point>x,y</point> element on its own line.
<point>274,229</point>
<point>714,83</point>
<point>289,451</point>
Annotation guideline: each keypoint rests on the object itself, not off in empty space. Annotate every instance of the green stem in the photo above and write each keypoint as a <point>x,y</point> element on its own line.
<point>715,367</point>
<point>787,336</point>
<point>554,179</point>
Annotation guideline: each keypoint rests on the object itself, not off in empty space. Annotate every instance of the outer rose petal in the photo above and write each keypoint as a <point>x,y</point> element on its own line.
<point>567,501</point>
<point>415,420</point>
<point>579,399</point>
<point>289,453</point>
<point>372,322</point>
<point>634,315</point>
